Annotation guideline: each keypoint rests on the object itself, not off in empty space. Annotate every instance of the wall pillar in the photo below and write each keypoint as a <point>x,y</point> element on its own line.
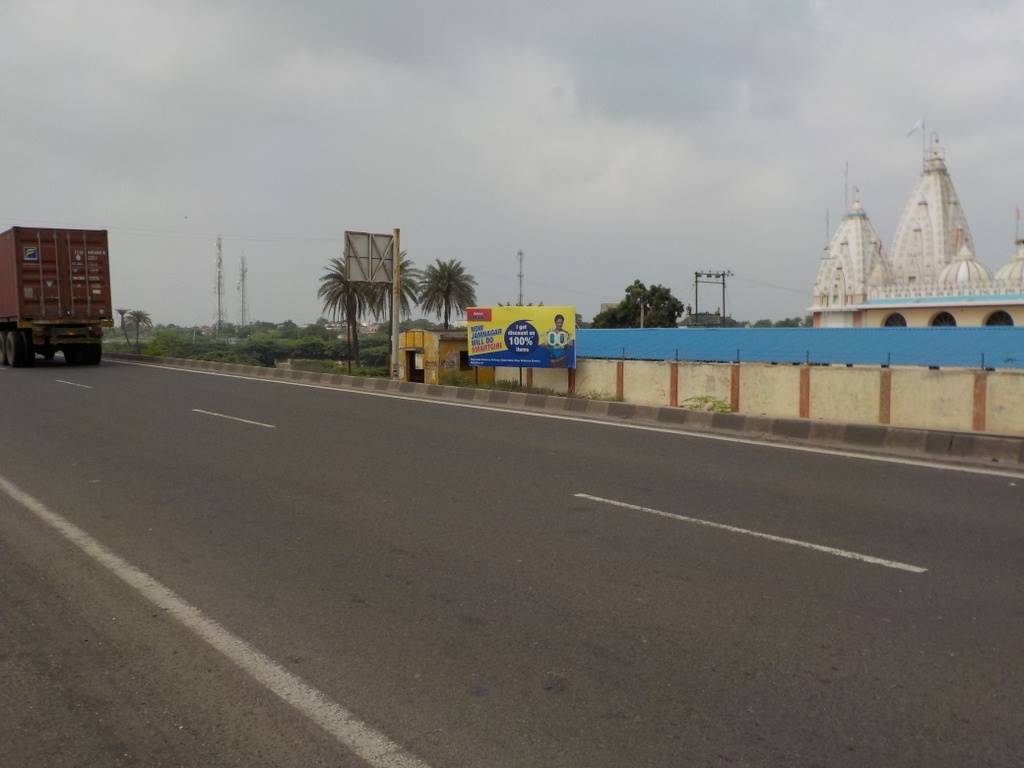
<point>620,380</point>
<point>980,401</point>
<point>673,385</point>
<point>734,387</point>
<point>529,377</point>
<point>805,392</point>
<point>885,397</point>
<point>571,384</point>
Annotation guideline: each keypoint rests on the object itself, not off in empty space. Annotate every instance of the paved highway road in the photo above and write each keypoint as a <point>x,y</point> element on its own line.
<point>206,570</point>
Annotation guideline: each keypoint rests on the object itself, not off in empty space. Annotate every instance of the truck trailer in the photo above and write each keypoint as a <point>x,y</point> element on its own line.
<point>54,295</point>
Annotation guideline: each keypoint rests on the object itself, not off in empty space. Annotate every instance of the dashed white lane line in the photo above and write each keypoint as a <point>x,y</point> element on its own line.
<point>361,738</point>
<point>597,422</point>
<point>233,418</point>
<point>757,534</point>
<point>73,384</point>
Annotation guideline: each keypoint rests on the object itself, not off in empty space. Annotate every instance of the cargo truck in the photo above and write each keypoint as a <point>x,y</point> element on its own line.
<point>54,295</point>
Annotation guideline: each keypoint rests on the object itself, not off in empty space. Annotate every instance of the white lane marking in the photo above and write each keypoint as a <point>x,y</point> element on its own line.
<point>361,738</point>
<point>72,383</point>
<point>770,537</point>
<point>233,418</point>
<point>617,424</point>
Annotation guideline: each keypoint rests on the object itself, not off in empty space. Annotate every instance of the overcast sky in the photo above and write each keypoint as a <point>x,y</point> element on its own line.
<point>607,140</point>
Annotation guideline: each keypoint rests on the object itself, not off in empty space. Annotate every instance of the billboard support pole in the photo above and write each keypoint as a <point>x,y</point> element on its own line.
<point>396,298</point>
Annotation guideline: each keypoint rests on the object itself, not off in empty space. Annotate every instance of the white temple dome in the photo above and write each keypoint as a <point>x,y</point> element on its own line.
<point>964,272</point>
<point>853,255</point>
<point>932,227</point>
<point>1014,271</point>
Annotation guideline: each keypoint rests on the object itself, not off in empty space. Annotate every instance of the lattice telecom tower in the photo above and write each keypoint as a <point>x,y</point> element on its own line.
<point>243,301</point>
<point>219,287</point>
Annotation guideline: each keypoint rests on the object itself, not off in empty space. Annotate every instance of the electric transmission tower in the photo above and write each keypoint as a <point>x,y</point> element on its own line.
<point>243,303</point>
<point>219,287</point>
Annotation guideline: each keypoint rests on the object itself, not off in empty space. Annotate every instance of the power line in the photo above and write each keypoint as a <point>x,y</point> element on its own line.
<point>771,285</point>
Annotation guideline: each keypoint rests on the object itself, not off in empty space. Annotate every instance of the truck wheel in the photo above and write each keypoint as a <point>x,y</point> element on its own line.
<point>30,348</point>
<point>19,349</point>
<point>3,348</point>
<point>72,355</point>
<point>92,354</point>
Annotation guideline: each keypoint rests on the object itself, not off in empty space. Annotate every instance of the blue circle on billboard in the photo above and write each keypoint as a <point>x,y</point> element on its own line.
<point>521,337</point>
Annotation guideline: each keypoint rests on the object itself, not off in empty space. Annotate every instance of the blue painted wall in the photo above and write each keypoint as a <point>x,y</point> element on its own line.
<point>1001,347</point>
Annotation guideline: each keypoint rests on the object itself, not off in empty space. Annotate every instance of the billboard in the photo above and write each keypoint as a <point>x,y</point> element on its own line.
<point>368,257</point>
<point>522,337</point>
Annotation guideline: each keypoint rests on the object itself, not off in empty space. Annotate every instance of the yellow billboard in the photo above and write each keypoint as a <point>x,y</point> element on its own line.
<point>522,337</point>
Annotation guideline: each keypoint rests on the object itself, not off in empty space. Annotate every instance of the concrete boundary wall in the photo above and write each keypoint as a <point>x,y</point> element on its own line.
<point>971,447</point>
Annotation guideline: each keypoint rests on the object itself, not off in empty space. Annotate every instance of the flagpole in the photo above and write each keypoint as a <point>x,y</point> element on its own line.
<point>924,145</point>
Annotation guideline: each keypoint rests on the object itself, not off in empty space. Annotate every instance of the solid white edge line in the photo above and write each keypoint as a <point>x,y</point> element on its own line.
<point>233,418</point>
<point>361,738</point>
<point>619,425</point>
<point>768,536</point>
<point>73,384</point>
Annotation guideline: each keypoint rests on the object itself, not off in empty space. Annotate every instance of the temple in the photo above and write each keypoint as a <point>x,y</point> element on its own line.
<point>931,276</point>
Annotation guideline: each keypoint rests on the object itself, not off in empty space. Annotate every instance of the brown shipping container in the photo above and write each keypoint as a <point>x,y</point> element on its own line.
<point>54,276</point>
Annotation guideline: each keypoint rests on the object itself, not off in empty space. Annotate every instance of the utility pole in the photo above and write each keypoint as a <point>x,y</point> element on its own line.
<point>709,278</point>
<point>519,255</point>
<point>243,308</point>
<point>396,297</point>
<point>220,286</point>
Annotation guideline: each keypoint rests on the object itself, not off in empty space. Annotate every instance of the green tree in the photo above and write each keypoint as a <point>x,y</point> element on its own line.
<point>446,288</point>
<point>139,319</point>
<point>289,329</point>
<point>344,299</point>
<point>310,348</point>
<point>263,348</point>
<point>658,307</point>
<point>789,322</point>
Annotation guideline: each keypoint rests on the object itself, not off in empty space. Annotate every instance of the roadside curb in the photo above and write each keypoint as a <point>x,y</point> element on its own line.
<point>961,447</point>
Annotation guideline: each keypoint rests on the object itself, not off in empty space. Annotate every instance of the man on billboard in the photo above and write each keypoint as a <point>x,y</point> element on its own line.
<point>559,343</point>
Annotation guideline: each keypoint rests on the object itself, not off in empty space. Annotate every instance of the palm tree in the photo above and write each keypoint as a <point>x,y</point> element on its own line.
<point>140,319</point>
<point>122,313</point>
<point>343,298</point>
<point>381,292</point>
<point>447,287</point>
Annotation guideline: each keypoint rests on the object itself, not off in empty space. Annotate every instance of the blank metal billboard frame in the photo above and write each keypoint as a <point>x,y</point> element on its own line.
<point>369,258</point>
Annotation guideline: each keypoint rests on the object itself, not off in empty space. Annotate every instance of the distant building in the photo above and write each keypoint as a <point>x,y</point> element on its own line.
<point>932,276</point>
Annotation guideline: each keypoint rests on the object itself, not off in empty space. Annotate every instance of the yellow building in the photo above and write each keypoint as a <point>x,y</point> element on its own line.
<point>438,357</point>
<point>960,312</point>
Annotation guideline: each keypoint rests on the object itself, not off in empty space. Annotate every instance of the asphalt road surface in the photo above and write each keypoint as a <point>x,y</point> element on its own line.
<point>203,570</point>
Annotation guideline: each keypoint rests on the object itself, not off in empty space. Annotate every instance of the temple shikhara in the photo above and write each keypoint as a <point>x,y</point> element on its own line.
<point>931,276</point>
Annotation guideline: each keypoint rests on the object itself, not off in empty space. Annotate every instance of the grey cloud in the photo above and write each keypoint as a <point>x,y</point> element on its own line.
<point>608,141</point>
